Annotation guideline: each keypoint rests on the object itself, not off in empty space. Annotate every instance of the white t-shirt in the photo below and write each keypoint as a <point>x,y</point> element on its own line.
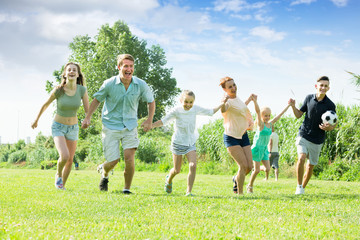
<point>185,123</point>
<point>275,142</point>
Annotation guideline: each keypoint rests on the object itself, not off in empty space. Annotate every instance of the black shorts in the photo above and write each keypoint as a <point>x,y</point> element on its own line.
<point>231,141</point>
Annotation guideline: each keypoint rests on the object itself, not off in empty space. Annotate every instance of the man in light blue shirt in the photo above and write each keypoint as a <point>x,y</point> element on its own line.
<point>121,95</point>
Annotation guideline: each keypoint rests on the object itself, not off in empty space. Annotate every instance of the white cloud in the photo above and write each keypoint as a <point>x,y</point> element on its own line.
<point>340,3</point>
<point>267,33</point>
<point>11,18</point>
<point>296,2</point>
<point>236,5</point>
<point>242,17</point>
<point>184,57</point>
<point>319,32</point>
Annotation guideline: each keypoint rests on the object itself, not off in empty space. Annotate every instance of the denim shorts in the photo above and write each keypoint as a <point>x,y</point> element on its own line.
<point>70,132</point>
<point>181,149</point>
<point>231,141</point>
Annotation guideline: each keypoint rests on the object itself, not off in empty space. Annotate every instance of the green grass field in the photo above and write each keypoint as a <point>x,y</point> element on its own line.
<point>31,208</point>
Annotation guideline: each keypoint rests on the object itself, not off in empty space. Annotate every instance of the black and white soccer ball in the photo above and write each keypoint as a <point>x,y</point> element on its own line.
<point>329,117</point>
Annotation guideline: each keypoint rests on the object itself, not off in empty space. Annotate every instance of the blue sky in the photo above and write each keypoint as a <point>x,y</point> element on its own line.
<point>276,49</point>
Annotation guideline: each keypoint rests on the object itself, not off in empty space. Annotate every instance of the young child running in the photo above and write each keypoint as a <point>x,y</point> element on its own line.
<point>184,138</point>
<point>261,140</point>
<point>274,153</point>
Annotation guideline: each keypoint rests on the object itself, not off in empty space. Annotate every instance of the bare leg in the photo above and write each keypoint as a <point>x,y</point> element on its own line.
<point>265,168</point>
<point>64,155</point>
<point>191,156</point>
<point>108,166</point>
<point>300,168</point>
<point>237,153</point>
<point>276,174</point>
<point>71,145</point>
<point>249,161</point>
<point>129,157</point>
<point>177,160</point>
<point>308,174</point>
<point>254,174</point>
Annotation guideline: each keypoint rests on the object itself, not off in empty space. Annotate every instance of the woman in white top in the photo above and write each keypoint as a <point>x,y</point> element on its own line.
<point>184,138</point>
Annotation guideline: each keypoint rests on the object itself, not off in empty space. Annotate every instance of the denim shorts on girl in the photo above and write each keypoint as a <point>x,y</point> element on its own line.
<point>70,132</point>
<point>231,141</point>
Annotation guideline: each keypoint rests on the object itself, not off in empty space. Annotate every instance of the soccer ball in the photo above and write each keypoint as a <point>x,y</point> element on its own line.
<point>329,117</point>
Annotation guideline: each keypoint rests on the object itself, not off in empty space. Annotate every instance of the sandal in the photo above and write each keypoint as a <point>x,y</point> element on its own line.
<point>235,185</point>
<point>168,186</point>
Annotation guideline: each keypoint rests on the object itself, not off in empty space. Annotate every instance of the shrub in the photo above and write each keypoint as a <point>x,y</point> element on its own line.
<point>153,148</point>
<point>17,156</point>
<point>36,156</point>
<point>48,164</point>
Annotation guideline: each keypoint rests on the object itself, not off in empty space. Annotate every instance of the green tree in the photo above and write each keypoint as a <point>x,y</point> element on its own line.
<point>97,59</point>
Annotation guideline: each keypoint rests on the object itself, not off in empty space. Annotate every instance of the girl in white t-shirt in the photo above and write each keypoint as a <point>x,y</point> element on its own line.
<point>184,138</point>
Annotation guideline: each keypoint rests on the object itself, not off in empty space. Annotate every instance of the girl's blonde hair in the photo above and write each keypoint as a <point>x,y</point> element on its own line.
<point>263,109</point>
<point>185,93</point>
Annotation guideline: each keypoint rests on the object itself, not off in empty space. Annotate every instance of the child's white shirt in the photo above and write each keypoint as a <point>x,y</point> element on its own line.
<point>185,123</point>
<point>275,142</point>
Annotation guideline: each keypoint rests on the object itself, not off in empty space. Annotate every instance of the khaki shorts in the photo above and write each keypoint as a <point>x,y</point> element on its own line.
<point>311,150</point>
<point>111,140</point>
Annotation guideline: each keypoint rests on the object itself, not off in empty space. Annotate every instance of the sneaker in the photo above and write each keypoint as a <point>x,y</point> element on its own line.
<point>100,169</point>
<point>168,186</point>
<point>59,183</point>
<point>299,190</point>
<point>103,186</point>
<point>126,191</point>
<point>189,194</point>
<point>249,189</point>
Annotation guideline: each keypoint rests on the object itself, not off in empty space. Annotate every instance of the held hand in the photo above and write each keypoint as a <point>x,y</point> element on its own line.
<point>254,97</point>
<point>146,125</point>
<point>85,124</point>
<point>291,102</point>
<point>225,98</point>
<point>34,125</point>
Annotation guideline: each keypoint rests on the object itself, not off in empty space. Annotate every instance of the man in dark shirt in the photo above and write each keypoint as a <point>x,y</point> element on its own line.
<point>312,131</point>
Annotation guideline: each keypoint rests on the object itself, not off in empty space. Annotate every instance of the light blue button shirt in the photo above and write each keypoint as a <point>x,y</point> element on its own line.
<point>121,105</point>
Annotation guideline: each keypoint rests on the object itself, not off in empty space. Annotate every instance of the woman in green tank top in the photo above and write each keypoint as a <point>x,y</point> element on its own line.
<point>65,129</point>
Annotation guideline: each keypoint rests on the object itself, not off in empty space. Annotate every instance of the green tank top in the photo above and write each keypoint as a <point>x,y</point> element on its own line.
<point>67,106</point>
<point>262,138</point>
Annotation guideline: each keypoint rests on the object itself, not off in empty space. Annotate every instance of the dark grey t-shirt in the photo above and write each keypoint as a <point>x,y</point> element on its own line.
<point>313,110</point>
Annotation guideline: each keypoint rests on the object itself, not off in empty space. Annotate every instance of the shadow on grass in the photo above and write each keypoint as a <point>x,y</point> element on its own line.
<point>251,197</point>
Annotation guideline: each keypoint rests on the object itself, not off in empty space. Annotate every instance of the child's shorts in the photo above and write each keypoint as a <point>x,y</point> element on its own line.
<point>178,149</point>
<point>274,160</point>
<point>70,132</point>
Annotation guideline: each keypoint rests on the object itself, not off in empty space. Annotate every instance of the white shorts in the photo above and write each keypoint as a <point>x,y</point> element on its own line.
<point>311,150</point>
<point>111,142</point>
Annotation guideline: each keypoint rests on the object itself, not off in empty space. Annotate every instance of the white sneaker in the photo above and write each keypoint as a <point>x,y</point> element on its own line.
<point>299,190</point>
<point>100,169</point>
<point>59,183</point>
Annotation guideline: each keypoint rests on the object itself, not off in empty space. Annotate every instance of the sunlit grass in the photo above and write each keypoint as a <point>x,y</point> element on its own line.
<point>31,207</point>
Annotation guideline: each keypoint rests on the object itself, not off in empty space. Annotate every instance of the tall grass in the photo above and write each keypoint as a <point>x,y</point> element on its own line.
<point>31,208</point>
